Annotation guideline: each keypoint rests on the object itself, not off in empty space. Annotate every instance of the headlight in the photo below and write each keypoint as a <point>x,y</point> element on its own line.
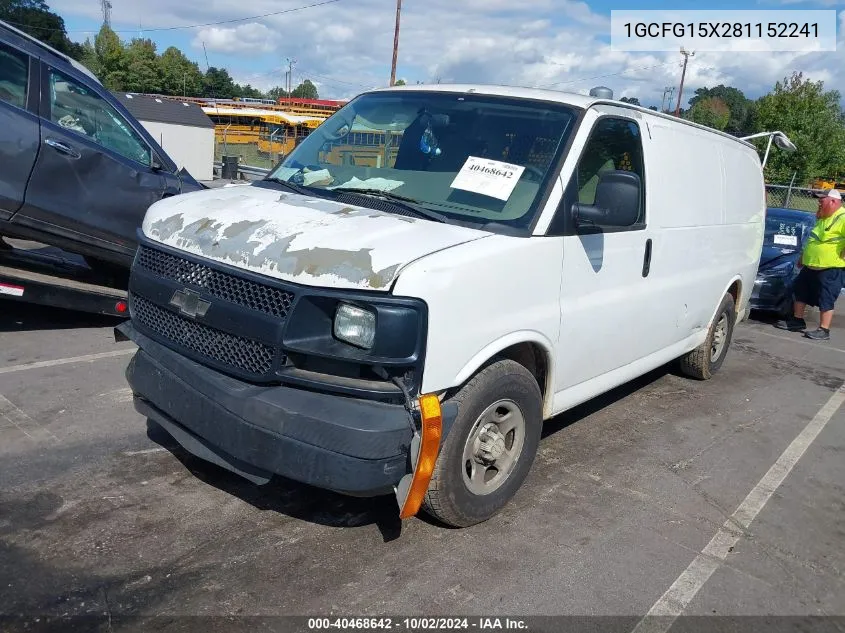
<point>355,325</point>
<point>781,270</point>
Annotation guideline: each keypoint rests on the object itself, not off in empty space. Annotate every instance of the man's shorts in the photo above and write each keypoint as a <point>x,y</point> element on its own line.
<point>819,288</point>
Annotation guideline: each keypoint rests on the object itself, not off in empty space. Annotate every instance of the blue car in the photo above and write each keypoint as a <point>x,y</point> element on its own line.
<point>787,231</point>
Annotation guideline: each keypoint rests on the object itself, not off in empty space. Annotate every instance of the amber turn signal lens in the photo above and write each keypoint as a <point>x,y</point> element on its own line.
<point>432,420</point>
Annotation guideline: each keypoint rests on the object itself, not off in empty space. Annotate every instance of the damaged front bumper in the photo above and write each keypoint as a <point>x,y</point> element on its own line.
<point>349,445</point>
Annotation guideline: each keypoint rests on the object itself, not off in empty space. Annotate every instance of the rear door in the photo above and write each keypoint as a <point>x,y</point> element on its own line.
<point>19,130</point>
<point>94,177</point>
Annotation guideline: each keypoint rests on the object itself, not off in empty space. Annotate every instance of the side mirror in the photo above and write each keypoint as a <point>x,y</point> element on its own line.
<point>617,203</point>
<point>156,162</point>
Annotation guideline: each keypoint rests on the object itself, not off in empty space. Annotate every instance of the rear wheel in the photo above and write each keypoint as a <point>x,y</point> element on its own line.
<point>707,358</point>
<point>490,448</point>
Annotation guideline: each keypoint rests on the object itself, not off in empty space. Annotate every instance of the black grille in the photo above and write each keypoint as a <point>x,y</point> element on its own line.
<point>235,351</point>
<point>242,292</point>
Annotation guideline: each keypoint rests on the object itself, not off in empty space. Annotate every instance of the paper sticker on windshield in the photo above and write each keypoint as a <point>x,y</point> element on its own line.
<point>488,177</point>
<point>786,240</point>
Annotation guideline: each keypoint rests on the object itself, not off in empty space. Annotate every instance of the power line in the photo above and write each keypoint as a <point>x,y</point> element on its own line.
<point>627,70</point>
<point>192,26</point>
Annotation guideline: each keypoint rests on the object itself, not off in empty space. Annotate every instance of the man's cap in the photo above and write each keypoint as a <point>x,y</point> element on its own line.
<point>830,193</point>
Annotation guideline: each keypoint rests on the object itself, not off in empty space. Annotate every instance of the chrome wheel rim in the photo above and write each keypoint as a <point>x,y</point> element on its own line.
<point>493,447</point>
<point>720,338</point>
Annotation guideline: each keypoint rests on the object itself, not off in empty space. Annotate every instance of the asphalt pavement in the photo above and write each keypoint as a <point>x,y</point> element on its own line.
<point>667,496</point>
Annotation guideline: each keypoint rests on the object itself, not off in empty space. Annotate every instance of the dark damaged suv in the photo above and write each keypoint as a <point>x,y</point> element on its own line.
<point>78,171</point>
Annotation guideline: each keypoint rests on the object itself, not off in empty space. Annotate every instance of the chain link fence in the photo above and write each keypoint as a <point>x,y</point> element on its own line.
<point>787,197</point>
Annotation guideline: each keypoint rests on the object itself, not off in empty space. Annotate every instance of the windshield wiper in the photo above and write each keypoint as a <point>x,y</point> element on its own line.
<point>403,202</point>
<point>306,191</point>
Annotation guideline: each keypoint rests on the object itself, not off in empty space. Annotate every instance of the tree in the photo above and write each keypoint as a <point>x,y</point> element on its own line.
<point>740,107</point>
<point>652,108</point>
<point>399,82</point>
<point>142,70</point>
<point>305,90</point>
<point>218,84</point>
<point>35,18</point>
<point>812,118</point>
<point>277,93</point>
<point>248,91</point>
<point>110,60</point>
<point>631,100</point>
<point>712,112</point>
<point>178,75</point>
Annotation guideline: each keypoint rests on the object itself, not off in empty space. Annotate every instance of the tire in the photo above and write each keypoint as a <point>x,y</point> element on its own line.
<point>702,362</point>
<point>513,389</point>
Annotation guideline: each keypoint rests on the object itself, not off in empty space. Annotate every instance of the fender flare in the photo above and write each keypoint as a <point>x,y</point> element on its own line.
<point>509,340</point>
<point>740,297</point>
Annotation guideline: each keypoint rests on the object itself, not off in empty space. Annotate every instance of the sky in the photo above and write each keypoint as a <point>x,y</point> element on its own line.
<point>345,46</point>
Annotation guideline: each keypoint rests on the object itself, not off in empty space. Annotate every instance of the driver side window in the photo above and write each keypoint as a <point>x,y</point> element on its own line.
<point>614,144</point>
<point>80,110</point>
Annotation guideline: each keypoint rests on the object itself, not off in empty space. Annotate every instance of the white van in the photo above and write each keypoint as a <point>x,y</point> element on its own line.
<point>430,275</point>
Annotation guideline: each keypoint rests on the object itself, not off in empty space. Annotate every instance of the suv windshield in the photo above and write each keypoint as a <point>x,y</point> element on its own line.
<point>468,157</point>
<point>787,231</point>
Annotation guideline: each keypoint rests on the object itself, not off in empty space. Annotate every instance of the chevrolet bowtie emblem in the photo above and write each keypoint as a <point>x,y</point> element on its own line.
<point>189,303</point>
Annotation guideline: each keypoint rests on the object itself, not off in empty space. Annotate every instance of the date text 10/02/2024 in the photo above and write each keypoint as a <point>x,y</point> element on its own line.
<point>722,29</point>
<point>417,624</point>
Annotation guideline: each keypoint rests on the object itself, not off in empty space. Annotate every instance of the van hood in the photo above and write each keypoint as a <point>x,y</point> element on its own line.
<point>296,238</point>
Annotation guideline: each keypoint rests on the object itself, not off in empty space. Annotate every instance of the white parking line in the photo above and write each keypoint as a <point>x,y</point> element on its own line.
<point>66,361</point>
<point>146,451</point>
<point>801,341</point>
<point>676,599</point>
<point>23,423</point>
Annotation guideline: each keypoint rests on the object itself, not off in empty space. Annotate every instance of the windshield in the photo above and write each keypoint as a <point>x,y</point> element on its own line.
<point>468,157</point>
<point>786,232</point>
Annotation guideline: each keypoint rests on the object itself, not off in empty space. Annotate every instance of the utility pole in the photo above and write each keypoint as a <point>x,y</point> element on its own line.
<point>291,62</point>
<point>395,43</point>
<point>687,54</point>
<point>105,7</point>
<point>670,90</point>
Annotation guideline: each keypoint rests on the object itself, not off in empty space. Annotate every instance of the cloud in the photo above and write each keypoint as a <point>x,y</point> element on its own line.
<point>346,47</point>
<point>244,39</point>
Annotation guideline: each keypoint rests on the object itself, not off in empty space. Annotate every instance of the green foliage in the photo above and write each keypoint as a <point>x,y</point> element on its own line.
<point>142,70</point>
<point>111,59</point>
<point>179,75</point>
<point>631,100</point>
<point>399,82</point>
<point>305,90</point>
<point>812,118</point>
<point>739,106</point>
<point>711,111</point>
<point>35,18</point>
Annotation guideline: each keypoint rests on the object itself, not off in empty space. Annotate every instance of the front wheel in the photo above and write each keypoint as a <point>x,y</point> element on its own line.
<point>490,447</point>
<point>707,358</point>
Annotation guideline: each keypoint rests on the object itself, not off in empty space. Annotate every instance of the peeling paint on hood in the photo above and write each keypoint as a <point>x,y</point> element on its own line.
<point>311,241</point>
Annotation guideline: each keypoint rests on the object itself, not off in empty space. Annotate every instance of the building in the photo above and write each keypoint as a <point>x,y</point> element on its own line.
<point>181,128</point>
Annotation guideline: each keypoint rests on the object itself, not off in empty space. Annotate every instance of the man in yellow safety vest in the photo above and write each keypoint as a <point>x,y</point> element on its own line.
<point>822,264</point>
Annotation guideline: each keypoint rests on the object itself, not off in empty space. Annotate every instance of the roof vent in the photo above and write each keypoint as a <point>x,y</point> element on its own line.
<point>601,92</point>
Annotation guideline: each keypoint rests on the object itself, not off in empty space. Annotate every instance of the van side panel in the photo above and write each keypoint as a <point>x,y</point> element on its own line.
<point>706,218</point>
<point>745,214</point>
